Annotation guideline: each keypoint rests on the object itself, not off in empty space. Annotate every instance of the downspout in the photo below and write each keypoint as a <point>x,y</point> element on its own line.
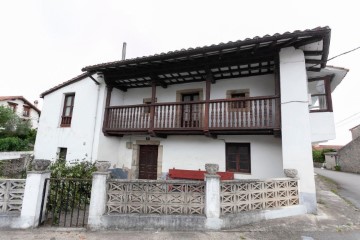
<point>95,117</point>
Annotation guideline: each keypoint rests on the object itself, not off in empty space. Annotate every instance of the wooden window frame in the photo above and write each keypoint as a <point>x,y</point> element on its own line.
<point>26,111</point>
<point>61,152</point>
<point>147,103</point>
<point>13,106</point>
<point>238,169</point>
<point>234,106</point>
<point>66,120</point>
<point>327,94</point>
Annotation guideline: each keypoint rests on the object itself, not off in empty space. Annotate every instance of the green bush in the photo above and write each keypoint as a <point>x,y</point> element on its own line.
<point>337,168</point>
<point>78,169</point>
<point>14,144</point>
<point>77,194</point>
<point>319,156</point>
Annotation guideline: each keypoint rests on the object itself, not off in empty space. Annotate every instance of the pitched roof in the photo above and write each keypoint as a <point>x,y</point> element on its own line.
<point>317,32</point>
<point>179,66</point>
<point>242,58</point>
<point>68,82</point>
<point>9,98</point>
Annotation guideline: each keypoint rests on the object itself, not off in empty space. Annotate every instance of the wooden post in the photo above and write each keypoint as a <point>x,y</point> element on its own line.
<point>107,105</point>
<point>207,101</point>
<point>152,107</point>
<point>277,93</point>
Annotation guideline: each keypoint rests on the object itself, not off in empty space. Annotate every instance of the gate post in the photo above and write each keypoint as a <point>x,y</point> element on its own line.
<point>98,195</point>
<point>212,197</point>
<point>33,194</point>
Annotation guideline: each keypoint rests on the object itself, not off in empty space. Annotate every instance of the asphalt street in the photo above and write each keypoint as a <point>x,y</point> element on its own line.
<point>348,183</point>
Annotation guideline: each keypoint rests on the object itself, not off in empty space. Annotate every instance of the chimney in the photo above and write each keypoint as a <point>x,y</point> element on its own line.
<point>36,102</point>
<point>123,51</point>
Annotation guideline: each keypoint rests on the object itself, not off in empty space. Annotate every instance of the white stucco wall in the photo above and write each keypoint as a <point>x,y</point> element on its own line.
<point>33,116</point>
<point>322,126</point>
<point>78,139</point>
<point>295,123</point>
<point>258,85</point>
<point>193,152</point>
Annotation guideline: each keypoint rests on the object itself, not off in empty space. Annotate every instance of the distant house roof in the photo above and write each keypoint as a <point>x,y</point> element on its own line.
<point>12,98</point>
<point>321,147</point>
<point>248,57</point>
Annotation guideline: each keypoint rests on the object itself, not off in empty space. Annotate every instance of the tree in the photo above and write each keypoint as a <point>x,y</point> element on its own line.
<point>11,125</point>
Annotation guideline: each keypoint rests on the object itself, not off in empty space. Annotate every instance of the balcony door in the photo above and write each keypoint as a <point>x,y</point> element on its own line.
<point>190,116</point>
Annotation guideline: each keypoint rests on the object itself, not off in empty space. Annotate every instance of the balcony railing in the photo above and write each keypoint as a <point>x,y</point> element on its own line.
<point>222,114</point>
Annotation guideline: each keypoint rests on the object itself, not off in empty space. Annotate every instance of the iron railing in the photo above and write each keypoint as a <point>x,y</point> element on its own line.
<point>66,202</point>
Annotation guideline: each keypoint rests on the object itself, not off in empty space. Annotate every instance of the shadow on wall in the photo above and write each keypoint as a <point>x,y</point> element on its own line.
<point>119,173</point>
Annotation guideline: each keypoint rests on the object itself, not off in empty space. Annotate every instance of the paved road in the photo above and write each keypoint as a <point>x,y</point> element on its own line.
<point>349,184</point>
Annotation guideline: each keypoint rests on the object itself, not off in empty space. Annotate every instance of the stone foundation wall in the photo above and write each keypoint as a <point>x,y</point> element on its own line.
<point>349,157</point>
<point>15,168</point>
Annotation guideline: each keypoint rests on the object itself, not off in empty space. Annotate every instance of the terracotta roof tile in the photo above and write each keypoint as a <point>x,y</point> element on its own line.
<point>206,47</point>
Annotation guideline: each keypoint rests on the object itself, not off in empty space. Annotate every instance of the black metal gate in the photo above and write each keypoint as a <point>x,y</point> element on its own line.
<point>65,202</point>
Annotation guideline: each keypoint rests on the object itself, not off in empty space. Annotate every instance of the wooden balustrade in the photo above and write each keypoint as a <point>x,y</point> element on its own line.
<point>246,113</point>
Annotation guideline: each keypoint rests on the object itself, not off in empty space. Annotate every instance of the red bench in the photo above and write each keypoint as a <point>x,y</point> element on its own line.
<point>196,174</point>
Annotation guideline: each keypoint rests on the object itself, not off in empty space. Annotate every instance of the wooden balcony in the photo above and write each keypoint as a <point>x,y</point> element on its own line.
<point>253,115</point>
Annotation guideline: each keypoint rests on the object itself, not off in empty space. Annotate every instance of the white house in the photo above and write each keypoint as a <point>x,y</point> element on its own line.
<point>253,106</point>
<point>23,108</point>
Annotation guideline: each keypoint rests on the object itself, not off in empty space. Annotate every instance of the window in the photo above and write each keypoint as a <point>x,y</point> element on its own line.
<point>320,95</point>
<point>13,106</point>
<point>26,111</point>
<point>62,153</point>
<point>238,157</point>
<point>147,101</point>
<point>238,105</point>
<point>67,110</point>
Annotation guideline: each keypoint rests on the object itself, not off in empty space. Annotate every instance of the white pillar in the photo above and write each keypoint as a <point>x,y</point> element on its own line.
<point>295,123</point>
<point>98,199</point>
<point>212,197</point>
<point>212,209</point>
<point>33,194</point>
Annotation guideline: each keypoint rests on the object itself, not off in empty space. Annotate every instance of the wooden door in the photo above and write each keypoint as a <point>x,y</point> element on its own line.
<point>190,112</point>
<point>148,161</point>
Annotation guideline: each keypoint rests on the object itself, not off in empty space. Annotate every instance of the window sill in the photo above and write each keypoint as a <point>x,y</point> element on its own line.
<point>324,110</point>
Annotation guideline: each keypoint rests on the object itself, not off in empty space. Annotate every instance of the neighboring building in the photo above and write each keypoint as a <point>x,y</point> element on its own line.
<point>348,157</point>
<point>253,106</point>
<point>322,147</point>
<point>23,108</point>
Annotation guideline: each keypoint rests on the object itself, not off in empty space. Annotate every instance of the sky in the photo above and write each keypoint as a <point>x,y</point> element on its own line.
<point>46,42</point>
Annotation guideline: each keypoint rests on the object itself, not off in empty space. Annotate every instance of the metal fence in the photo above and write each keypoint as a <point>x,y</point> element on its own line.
<point>155,197</point>
<point>66,202</point>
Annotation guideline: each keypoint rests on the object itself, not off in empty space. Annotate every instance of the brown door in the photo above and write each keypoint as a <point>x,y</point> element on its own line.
<point>190,112</point>
<point>148,161</point>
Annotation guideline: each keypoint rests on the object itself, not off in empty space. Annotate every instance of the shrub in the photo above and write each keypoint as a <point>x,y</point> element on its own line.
<point>77,169</point>
<point>337,168</point>
<point>77,194</point>
<point>14,144</point>
<point>319,156</point>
